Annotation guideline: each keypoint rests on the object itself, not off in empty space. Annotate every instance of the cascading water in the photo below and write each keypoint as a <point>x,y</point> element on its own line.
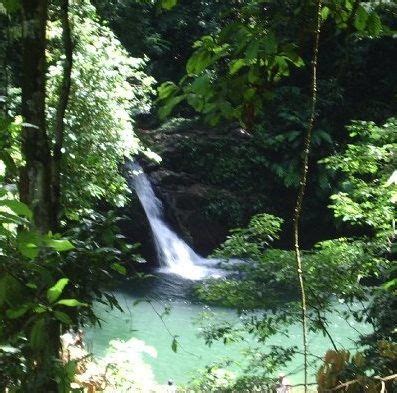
<point>174,255</point>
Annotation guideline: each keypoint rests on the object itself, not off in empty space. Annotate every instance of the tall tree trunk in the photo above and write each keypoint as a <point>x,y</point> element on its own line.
<point>61,110</point>
<point>35,176</point>
<point>35,179</point>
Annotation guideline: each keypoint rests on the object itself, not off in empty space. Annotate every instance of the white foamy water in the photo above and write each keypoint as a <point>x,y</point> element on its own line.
<point>174,255</point>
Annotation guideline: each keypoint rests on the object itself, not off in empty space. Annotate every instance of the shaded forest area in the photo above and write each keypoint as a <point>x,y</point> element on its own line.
<point>268,130</point>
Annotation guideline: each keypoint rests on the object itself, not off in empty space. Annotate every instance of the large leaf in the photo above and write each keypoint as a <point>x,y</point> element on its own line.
<point>71,303</point>
<point>198,62</point>
<point>15,313</point>
<point>361,18</point>
<point>236,65</point>
<point>167,89</point>
<point>63,317</point>
<point>28,243</point>
<point>374,24</point>
<point>170,104</point>
<point>60,244</point>
<point>17,207</point>
<point>54,292</point>
<point>37,334</point>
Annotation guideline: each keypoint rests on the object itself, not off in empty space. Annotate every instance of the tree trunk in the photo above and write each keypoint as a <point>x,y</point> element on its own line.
<point>35,179</point>
<point>35,176</point>
<point>61,110</point>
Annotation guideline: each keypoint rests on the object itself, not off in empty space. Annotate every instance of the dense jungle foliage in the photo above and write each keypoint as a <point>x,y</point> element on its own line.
<point>283,112</point>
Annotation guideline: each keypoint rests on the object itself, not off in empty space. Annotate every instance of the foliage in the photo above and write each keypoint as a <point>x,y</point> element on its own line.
<point>46,278</point>
<point>50,282</point>
<point>232,73</point>
<point>108,87</point>
<point>366,197</point>
<point>347,269</point>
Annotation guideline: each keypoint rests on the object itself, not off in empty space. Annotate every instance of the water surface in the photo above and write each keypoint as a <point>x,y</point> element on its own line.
<point>143,322</point>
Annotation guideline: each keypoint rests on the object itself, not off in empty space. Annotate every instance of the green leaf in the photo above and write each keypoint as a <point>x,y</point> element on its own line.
<point>167,89</point>
<point>71,303</point>
<point>198,62</point>
<point>270,44</point>
<point>390,284</point>
<point>17,207</point>
<point>16,313</point>
<point>54,292</point>
<point>28,243</point>
<point>37,334</point>
<point>39,309</point>
<point>252,50</point>
<point>60,244</point>
<point>168,4</point>
<point>325,13</point>
<point>64,318</point>
<point>361,18</point>
<point>236,65</point>
<point>3,289</point>
<point>119,268</point>
<point>170,104</point>
<point>174,345</point>
<point>374,24</point>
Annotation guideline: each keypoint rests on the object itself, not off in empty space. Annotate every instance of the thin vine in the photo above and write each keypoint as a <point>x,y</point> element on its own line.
<point>302,187</point>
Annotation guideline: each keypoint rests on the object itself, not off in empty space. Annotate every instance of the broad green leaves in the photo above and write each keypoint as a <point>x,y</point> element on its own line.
<point>366,164</point>
<point>17,207</point>
<point>30,242</point>
<point>227,72</point>
<point>55,292</point>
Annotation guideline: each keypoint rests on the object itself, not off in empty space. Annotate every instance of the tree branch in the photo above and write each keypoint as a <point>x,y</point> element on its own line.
<point>302,189</point>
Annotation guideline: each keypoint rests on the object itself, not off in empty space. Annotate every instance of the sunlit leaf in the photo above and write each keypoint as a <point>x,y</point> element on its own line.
<point>168,4</point>
<point>60,244</point>
<point>54,292</point>
<point>71,303</point>
<point>17,207</point>
<point>119,268</point>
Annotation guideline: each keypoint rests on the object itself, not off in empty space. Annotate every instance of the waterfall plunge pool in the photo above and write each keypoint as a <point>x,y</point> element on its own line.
<point>171,287</point>
<point>141,321</point>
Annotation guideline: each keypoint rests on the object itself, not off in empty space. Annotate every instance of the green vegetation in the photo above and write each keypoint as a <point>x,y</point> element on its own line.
<point>279,118</point>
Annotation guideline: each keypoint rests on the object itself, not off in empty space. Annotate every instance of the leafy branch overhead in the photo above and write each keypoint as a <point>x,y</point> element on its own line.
<point>232,74</point>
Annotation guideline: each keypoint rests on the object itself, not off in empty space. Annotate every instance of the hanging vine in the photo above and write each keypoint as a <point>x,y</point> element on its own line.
<point>302,187</point>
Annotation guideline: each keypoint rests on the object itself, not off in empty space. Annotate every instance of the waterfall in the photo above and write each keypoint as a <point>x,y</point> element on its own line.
<point>174,255</point>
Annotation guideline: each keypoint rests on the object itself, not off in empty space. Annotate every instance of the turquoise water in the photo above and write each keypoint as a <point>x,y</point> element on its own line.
<point>143,322</point>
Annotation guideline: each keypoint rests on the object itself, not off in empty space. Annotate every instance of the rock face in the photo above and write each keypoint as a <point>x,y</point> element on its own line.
<point>197,206</point>
<point>186,201</point>
<point>213,180</point>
